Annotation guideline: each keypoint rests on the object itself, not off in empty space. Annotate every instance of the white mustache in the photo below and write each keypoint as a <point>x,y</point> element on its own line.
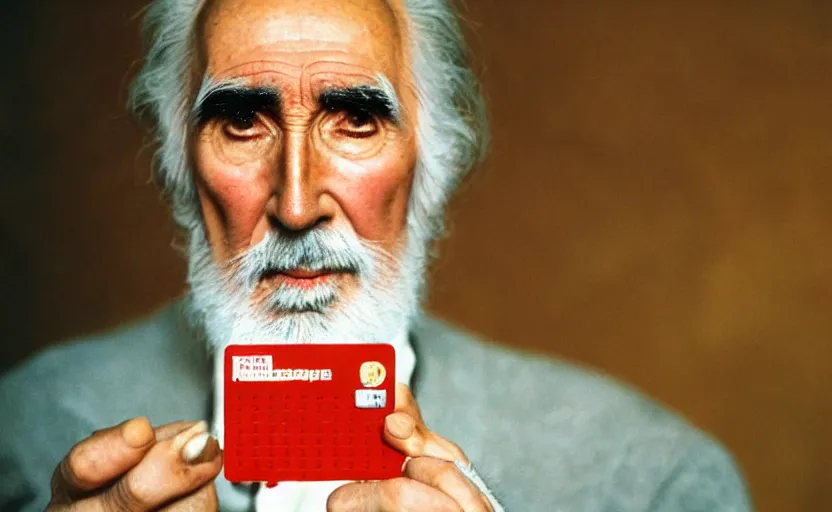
<point>386,292</point>
<point>315,250</point>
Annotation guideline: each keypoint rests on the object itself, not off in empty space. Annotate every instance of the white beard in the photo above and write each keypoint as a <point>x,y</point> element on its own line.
<point>387,298</point>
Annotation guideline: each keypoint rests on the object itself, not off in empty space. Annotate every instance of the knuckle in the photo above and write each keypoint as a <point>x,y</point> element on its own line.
<point>79,465</point>
<point>198,475</point>
<point>186,476</point>
<point>446,474</point>
<point>124,496</point>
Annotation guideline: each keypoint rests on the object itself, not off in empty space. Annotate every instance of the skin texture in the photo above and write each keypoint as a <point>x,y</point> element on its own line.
<point>298,168</point>
<point>430,480</point>
<point>295,168</point>
<point>132,466</point>
<point>302,167</point>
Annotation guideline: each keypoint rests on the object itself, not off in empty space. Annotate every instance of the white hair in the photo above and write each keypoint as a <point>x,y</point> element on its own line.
<point>387,297</point>
<point>452,132</point>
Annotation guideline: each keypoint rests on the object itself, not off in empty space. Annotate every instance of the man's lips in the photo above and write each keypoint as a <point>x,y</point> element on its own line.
<point>305,274</point>
<point>301,278</point>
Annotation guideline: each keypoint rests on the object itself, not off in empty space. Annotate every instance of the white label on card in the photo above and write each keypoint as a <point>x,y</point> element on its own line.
<point>370,398</point>
<point>260,369</point>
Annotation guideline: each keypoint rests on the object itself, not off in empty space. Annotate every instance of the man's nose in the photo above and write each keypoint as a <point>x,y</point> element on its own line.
<point>297,202</point>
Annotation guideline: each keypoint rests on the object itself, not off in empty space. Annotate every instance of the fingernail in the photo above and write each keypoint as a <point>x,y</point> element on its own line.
<point>194,448</point>
<point>210,450</point>
<point>400,426</point>
<point>184,437</point>
<point>137,433</point>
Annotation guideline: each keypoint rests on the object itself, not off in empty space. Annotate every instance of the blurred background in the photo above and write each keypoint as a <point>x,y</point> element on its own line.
<point>656,204</point>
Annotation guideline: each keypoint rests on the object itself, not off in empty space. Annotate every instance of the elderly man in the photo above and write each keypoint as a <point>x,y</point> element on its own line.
<point>308,148</point>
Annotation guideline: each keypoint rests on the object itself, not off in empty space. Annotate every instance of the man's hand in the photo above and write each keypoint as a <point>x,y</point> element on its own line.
<point>430,479</point>
<point>133,467</point>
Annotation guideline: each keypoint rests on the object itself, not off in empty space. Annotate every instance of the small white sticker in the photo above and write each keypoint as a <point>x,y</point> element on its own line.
<point>370,398</point>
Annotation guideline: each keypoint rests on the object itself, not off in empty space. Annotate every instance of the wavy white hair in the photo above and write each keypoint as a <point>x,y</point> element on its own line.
<point>452,130</point>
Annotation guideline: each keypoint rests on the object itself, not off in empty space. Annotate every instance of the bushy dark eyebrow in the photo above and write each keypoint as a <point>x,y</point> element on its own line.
<point>363,98</point>
<point>235,102</point>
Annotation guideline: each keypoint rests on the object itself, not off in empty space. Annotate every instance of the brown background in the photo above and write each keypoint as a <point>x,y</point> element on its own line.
<point>657,204</point>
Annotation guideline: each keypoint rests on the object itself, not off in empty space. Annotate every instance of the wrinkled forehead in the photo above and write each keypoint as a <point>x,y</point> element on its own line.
<point>311,43</point>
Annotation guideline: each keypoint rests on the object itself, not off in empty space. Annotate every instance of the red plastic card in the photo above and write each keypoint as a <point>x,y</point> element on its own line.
<point>309,412</point>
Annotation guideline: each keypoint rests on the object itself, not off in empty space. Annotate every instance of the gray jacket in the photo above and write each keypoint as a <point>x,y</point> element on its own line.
<point>544,435</point>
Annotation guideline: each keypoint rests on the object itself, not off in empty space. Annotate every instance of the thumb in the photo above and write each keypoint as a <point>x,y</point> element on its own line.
<point>406,432</point>
<point>406,403</point>
<point>102,457</point>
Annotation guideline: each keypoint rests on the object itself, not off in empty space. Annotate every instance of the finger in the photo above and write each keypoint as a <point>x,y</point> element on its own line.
<point>355,497</point>
<point>395,495</point>
<point>405,430</point>
<point>414,439</point>
<point>406,403</point>
<point>203,500</point>
<point>165,432</point>
<point>171,469</point>
<point>447,478</point>
<point>101,458</point>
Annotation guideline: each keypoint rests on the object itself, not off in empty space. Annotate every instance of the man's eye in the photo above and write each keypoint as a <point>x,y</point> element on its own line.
<point>242,126</point>
<point>239,139</point>
<point>358,124</point>
<point>353,133</point>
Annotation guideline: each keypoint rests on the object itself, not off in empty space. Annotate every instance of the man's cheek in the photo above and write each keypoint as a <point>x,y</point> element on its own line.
<point>374,194</point>
<point>238,196</point>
